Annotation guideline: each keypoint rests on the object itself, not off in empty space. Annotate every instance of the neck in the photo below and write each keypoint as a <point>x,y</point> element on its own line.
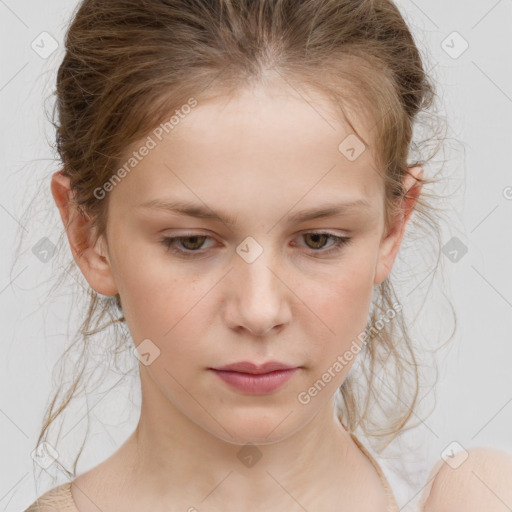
<point>176,460</point>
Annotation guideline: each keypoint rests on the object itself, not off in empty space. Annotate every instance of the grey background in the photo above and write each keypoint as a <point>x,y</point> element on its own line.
<point>475,383</point>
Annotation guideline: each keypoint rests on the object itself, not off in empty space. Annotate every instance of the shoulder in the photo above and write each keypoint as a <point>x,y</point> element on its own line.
<point>471,481</point>
<point>59,498</point>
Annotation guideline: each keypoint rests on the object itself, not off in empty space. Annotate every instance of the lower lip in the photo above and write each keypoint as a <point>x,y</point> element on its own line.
<point>256,384</point>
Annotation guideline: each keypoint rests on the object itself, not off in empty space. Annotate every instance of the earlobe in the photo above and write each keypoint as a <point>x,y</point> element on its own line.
<point>392,240</point>
<point>89,251</point>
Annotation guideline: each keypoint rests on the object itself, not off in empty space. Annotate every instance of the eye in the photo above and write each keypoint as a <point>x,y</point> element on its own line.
<point>318,239</point>
<point>191,245</point>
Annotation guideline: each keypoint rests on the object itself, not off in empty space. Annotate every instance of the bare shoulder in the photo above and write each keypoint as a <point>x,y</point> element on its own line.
<point>477,480</point>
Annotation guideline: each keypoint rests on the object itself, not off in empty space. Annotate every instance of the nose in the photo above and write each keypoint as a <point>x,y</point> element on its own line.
<point>258,299</point>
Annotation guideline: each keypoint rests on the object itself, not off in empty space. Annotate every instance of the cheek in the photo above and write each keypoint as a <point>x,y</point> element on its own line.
<point>171,310</point>
<point>157,299</point>
<point>341,308</point>
<point>342,301</point>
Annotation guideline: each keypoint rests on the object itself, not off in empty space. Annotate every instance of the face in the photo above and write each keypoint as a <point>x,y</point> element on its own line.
<point>254,278</point>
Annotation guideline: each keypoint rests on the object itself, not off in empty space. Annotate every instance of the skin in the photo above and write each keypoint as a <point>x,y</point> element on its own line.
<point>261,156</point>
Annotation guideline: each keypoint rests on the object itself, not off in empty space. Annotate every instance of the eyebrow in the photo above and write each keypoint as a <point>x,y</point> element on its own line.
<point>203,212</point>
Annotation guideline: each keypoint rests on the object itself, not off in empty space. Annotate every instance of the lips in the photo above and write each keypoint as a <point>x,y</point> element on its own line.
<point>256,369</point>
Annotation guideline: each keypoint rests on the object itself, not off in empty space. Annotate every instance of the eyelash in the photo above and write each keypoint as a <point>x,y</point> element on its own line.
<point>339,243</point>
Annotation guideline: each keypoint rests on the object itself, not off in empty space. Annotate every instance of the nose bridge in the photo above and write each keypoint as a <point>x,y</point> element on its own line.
<point>258,298</point>
<point>257,277</point>
<point>255,268</point>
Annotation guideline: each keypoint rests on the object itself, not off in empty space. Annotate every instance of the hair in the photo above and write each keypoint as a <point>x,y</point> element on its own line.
<point>129,64</point>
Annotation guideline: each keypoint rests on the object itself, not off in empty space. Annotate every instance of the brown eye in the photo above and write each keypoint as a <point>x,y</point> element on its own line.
<point>316,242</point>
<point>190,243</point>
<point>195,242</point>
<point>318,239</point>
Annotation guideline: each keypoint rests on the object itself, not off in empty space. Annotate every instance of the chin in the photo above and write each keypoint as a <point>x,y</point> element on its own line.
<point>251,428</point>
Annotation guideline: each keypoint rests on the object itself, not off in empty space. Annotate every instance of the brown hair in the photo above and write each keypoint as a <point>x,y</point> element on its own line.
<point>129,64</point>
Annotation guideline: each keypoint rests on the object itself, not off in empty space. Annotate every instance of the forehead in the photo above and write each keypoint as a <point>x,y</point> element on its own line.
<point>261,145</point>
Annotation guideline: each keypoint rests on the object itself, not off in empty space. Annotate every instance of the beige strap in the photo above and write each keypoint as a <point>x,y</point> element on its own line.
<point>392,505</point>
<point>59,498</point>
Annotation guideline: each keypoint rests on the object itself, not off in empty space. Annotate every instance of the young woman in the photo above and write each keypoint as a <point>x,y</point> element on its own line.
<point>235,181</point>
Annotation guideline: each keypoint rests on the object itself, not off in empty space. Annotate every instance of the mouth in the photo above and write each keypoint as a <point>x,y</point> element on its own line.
<point>252,379</point>
<point>255,369</point>
<point>256,384</point>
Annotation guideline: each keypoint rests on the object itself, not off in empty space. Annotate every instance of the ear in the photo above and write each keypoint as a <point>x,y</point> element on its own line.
<point>392,239</point>
<point>89,253</point>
